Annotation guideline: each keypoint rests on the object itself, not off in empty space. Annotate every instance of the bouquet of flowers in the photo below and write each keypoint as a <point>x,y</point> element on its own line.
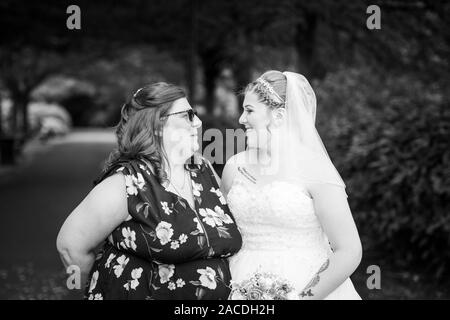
<point>263,286</point>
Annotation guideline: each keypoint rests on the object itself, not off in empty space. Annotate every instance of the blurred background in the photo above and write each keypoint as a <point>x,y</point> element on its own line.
<point>383,113</point>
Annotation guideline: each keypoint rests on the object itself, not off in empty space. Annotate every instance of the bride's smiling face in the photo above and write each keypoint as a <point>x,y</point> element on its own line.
<point>257,118</point>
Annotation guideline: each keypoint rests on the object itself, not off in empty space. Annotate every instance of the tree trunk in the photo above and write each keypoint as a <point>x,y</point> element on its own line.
<point>13,118</point>
<point>1,117</point>
<point>192,57</point>
<point>244,61</point>
<point>25,124</point>
<point>212,62</point>
<point>20,106</point>
<point>305,43</point>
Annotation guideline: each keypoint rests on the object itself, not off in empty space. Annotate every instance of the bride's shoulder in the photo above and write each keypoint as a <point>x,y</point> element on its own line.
<point>230,170</point>
<point>239,159</point>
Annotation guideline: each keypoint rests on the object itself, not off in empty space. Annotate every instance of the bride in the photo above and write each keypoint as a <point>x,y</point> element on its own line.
<point>287,198</point>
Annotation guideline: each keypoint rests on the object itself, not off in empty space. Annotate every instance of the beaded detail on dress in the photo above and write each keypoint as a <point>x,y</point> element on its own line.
<point>281,234</point>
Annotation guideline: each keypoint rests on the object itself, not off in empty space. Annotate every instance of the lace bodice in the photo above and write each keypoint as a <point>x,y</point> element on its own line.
<point>281,234</point>
<point>276,216</point>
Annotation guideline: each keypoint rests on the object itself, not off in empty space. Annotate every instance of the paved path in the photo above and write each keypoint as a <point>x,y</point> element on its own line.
<point>35,199</point>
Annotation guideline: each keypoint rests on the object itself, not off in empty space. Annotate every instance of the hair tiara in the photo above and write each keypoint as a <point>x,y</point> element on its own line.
<point>269,88</point>
<point>137,92</point>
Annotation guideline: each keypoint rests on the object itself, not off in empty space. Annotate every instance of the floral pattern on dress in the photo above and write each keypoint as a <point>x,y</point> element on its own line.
<point>217,219</point>
<point>129,238</point>
<point>122,262</point>
<point>164,232</point>
<point>219,194</point>
<point>165,272</point>
<point>165,249</point>
<point>208,279</point>
<point>134,184</point>
<point>135,275</point>
<point>166,208</point>
<point>97,296</point>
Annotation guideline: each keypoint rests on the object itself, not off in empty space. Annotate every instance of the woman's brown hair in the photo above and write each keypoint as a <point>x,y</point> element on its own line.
<point>139,132</point>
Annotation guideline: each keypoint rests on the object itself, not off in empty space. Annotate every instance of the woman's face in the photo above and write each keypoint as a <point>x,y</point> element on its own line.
<point>256,117</point>
<point>180,135</point>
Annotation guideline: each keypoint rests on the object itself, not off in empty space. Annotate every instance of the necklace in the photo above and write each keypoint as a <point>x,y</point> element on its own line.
<point>182,186</point>
<point>179,193</point>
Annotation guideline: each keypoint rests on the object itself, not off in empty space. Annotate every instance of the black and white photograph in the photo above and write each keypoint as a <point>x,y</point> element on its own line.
<point>236,150</point>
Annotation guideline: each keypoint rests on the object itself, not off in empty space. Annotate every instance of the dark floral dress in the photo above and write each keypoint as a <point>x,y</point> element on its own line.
<point>166,250</point>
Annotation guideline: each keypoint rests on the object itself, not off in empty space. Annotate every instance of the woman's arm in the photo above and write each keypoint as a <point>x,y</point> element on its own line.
<point>333,211</point>
<point>90,223</point>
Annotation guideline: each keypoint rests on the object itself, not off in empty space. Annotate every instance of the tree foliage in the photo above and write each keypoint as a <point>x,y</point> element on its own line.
<point>389,137</point>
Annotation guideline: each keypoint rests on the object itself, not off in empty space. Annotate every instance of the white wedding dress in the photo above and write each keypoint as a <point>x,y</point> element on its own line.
<point>281,234</point>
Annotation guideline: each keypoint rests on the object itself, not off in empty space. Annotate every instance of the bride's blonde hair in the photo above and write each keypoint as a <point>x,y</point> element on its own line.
<point>277,81</point>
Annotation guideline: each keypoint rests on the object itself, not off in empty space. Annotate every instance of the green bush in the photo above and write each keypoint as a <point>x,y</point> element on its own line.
<point>389,138</point>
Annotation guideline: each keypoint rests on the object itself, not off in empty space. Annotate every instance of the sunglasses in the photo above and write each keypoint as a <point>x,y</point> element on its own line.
<point>190,112</point>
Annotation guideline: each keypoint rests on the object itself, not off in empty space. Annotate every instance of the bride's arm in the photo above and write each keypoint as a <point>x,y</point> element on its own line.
<point>333,211</point>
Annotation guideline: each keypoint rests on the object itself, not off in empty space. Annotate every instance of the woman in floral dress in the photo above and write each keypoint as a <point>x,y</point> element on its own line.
<point>165,226</point>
